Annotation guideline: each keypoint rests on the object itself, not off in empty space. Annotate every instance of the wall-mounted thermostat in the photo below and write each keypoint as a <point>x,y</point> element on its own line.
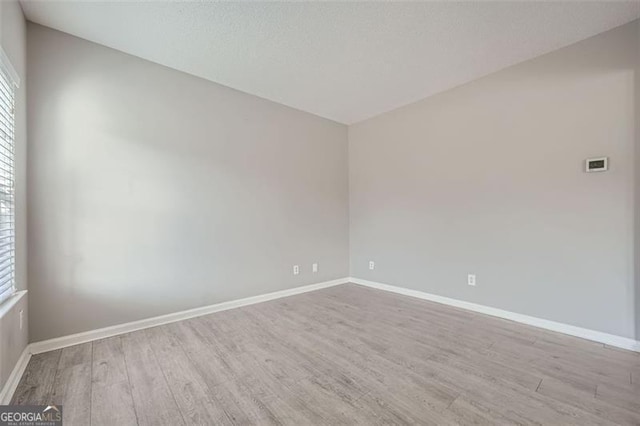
<point>596,164</point>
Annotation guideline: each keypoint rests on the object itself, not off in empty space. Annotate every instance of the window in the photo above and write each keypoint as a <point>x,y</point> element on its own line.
<point>8,84</point>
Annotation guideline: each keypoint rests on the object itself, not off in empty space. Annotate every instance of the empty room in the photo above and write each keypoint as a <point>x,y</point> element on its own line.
<point>319,213</point>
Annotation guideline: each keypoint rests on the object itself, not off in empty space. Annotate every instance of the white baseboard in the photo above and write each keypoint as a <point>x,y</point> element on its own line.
<point>585,333</point>
<point>88,336</point>
<point>14,378</point>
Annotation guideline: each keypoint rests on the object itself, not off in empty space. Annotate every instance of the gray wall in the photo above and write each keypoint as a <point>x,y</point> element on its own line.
<point>13,39</point>
<point>13,340</point>
<point>153,191</point>
<point>488,179</point>
<point>637,186</point>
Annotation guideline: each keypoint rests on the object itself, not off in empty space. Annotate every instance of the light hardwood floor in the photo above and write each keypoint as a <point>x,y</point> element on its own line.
<point>342,355</point>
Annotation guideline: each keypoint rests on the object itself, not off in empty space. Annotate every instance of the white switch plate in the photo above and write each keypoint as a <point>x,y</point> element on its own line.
<point>314,268</point>
<point>296,269</point>
<point>471,279</point>
<point>21,319</point>
<point>372,265</point>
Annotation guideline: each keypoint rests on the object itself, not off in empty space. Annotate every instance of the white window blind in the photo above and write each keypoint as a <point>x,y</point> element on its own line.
<point>8,84</point>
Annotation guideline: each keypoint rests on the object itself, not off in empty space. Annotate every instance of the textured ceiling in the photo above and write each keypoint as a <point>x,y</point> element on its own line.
<point>343,61</point>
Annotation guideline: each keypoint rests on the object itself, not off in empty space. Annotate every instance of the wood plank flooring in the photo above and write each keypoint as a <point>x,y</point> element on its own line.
<point>342,355</point>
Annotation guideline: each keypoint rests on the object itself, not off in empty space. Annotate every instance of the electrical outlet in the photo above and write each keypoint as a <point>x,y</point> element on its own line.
<point>372,265</point>
<point>21,318</point>
<point>471,279</point>
<point>314,268</point>
<point>296,269</point>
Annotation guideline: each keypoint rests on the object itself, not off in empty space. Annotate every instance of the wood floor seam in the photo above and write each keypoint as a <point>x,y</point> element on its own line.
<point>55,379</point>
<point>164,376</point>
<point>91,387</point>
<point>124,358</point>
<point>538,387</point>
